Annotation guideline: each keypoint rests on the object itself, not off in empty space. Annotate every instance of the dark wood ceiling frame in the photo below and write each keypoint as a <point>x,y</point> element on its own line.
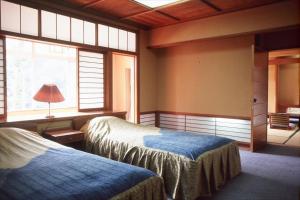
<point>213,6</point>
<point>91,4</point>
<point>157,9</point>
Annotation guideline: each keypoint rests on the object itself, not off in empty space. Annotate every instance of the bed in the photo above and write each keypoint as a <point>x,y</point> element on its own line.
<point>32,167</point>
<point>191,165</point>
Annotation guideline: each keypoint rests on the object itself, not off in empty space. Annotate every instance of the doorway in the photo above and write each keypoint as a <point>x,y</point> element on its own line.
<point>284,97</point>
<point>125,85</point>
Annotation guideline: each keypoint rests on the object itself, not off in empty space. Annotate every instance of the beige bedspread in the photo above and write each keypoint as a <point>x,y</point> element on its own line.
<point>184,178</point>
<point>19,147</point>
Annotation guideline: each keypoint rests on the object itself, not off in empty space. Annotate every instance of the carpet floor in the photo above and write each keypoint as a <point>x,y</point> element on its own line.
<point>272,174</point>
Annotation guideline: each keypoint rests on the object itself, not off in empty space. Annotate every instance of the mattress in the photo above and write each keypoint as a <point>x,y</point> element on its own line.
<point>32,167</point>
<point>191,165</point>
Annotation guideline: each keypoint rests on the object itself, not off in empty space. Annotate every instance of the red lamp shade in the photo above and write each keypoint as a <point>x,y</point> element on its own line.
<point>49,93</point>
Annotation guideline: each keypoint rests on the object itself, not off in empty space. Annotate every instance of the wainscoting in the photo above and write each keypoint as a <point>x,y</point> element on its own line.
<point>234,128</point>
<point>148,119</point>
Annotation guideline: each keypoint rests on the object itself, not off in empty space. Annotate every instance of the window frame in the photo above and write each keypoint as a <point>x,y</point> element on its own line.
<point>106,51</point>
<point>106,79</point>
<point>4,115</point>
<point>93,19</point>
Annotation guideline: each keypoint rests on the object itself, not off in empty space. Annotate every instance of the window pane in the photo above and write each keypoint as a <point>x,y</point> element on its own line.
<point>10,16</point>
<point>131,41</point>
<point>77,30</point>
<point>102,35</point>
<point>113,37</point>
<point>48,24</point>
<point>32,64</point>
<point>63,27</point>
<point>91,80</point>
<point>89,33</point>
<point>122,40</point>
<point>29,21</point>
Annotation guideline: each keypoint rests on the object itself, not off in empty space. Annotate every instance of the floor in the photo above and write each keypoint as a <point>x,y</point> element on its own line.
<point>271,174</point>
<point>284,137</point>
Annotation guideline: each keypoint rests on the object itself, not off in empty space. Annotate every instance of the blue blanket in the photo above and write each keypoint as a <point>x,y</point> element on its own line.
<point>190,145</point>
<point>69,174</point>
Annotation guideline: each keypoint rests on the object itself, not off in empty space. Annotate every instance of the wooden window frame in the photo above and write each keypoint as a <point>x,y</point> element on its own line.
<point>107,84</point>
<point>92,19</point>
<point>106,51</point>
<point>4,115</point>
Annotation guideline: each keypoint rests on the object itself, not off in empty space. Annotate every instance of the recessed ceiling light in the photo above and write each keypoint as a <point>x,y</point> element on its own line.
<point>155,3</point>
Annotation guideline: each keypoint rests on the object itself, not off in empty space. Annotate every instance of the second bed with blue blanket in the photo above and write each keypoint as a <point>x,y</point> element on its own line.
<point>192,165</point>
<point>34,168</point>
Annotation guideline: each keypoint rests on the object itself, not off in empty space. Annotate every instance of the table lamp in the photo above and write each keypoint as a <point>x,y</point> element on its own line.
<point>49,93</point>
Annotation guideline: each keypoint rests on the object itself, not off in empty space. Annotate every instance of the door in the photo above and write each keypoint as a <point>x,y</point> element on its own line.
<point>260,100</point>
<point>124,85</point>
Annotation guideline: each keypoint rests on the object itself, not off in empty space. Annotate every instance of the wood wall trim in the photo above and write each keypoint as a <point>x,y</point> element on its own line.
<point>243,145</point>
<point>64,117</point>
<point>196,114</point>
<point>205,115</point>
<point>284,61</point>
<point>191,30</point>
<point>148,112</point>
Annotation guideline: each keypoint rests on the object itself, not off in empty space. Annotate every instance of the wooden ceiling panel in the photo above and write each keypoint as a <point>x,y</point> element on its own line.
<point>184,10</point>
<point>119,8</point>
<point>240,4</point>
<point>79,3</point>
<point>189,10</point>
<point>153,19</point>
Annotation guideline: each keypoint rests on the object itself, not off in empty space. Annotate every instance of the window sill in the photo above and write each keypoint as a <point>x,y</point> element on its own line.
<point>58,117</point>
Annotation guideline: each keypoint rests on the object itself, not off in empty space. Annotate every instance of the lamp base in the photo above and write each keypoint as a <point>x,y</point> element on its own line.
<point>50,116</point>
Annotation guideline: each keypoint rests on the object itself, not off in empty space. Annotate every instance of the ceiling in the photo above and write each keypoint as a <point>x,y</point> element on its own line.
<point>181,11</point>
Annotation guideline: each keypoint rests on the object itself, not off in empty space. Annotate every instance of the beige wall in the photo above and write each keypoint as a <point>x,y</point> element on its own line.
<point>282,14</point>
<point>148,72</point>
<point>289,84</point>
<point>272,88</point>
<point>210,77</point>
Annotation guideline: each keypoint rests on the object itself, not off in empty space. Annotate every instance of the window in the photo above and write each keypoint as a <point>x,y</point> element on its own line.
<point>89,33</point>
<point>32,64</point>
<point>91,80</point>
<point>77,30</point>
<point>131,42</point>
<point>25,20</point>
<point>29,21</point>
<point>113,37</point>
<point>48,24</point>
<point>63,27</point>
<point>122,40</point>
<point>102,35</point>
<point>10,17</point>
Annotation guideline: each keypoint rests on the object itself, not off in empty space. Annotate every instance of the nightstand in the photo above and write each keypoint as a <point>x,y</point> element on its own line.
<point>68,137</point>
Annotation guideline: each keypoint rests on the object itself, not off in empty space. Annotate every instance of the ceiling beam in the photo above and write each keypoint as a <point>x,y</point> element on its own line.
<point>213,6</point>
<point>157,9</point>
<point>88,5</point>
<point>149,11</point>
<point>167,15</point>
<point>282,61</point>
<point>285,52</point>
